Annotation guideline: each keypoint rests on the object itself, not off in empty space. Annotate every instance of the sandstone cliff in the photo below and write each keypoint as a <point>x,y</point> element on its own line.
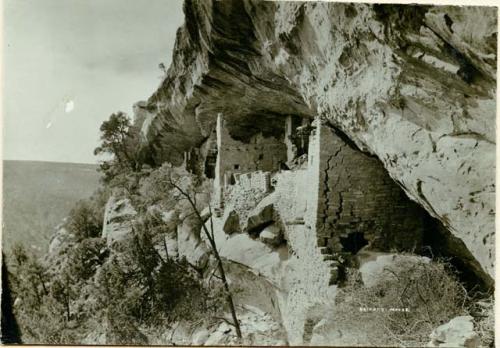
<point>414,86</point>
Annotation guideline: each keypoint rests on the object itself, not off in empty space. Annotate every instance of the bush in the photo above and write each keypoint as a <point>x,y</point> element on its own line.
<point>484,313</point>
<point>179,293</point>
<point>155,188</point>
<point>85,257</point>
<point>146,288</point>
<point>430,290</point>
<point>39,313</point>
<point>44,325</point>
<point>85,219</point>
<point>29,277</point>
<point>123,331</point>
<point>84,222</point>
<point>120,139</point>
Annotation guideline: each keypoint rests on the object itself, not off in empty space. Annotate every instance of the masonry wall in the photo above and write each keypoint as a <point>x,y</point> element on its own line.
<point>357,195</point>
<point>234,157</point>
<point>261,153</point>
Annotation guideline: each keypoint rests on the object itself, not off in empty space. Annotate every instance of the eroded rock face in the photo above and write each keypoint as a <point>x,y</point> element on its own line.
<point>118,218</point>
<point>413,85</point>
<point>189,243</point>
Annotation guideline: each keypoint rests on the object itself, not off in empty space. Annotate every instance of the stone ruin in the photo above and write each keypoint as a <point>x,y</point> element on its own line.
<point>351,203</point>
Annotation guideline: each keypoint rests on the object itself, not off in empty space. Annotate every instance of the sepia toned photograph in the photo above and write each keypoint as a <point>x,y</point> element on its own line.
<point>248,173</point>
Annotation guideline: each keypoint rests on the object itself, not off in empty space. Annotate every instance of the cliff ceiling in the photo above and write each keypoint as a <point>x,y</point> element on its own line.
<point>413,85</point>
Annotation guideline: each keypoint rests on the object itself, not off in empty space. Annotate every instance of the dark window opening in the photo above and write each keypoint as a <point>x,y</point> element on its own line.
<point>232,180</point>
<point>353,242</point>
<point>210,164</point>
<point>261,156</point>
<point>236,166</point>
<point>194,163</point>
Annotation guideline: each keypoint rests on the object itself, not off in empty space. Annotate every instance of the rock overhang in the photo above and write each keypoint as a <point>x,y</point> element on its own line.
<point>256,62</point>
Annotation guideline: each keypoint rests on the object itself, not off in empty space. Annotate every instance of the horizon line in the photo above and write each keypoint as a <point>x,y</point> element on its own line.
<point>45,161</point>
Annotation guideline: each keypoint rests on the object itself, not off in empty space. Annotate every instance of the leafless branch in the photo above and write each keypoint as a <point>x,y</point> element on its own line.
<point>225,320</point>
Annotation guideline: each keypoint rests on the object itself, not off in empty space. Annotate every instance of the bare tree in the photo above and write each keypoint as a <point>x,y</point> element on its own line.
<point>191,198</point>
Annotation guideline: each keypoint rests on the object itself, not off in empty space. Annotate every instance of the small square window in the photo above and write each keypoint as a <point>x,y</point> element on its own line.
<point>236,166</point>
<point>261,156</point>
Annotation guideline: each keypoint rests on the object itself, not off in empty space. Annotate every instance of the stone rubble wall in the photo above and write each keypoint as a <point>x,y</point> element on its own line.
<point>297,269</point>
<point>248,190</point>
<point>258,180</point>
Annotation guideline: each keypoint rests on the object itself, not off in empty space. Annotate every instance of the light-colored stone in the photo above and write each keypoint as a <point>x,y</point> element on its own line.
<point>170,218</point>
<point>296,272</point>
<point>271,235</point>
<point>458,332</point>
<point>205,214</point>
<point>118,216</point>
<point>374,266</point>
<point>189,243</point>
<point>200,337</point>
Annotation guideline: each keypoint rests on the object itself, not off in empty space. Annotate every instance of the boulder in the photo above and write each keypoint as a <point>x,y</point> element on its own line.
<point>259,218</point>
<point>232,223</point>
<point>458,332</point>
<point>271,235</point>
<point>373,265</point>
<point>118,216</point>
<point>200,337</point>
<point>189,243</point>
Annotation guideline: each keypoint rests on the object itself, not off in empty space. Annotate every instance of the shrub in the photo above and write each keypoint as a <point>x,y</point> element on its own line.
<point>84,222</point>
<point>155,188</point>
<point>122,330</point>
<point>29,279</point>
<point>85,257</point>
<point>44,325</point>
<point>19,254</point>
<point>484,313</point>
<point>39,314</point>
<point>430,290</point>
<point>179,293</point>
<point>86,217</point>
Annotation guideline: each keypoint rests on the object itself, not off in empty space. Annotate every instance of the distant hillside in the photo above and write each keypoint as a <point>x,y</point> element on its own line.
<point>38,195</point>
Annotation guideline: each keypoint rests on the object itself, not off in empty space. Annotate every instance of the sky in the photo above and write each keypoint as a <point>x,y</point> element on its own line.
<point>69,64</point>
